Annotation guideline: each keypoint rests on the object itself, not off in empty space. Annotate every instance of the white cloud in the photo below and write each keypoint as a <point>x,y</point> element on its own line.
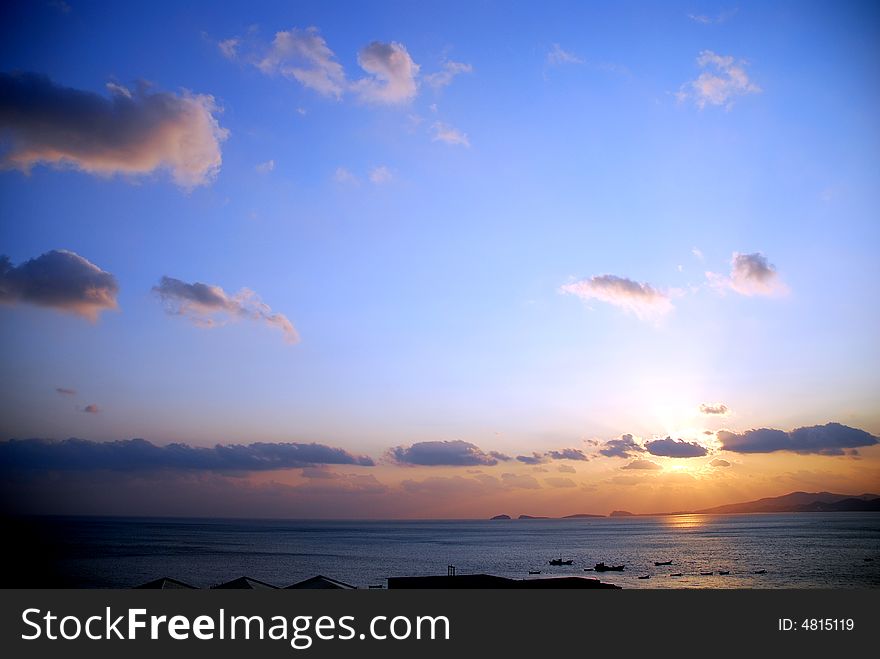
<point>392,72</point>
<point>642,300</point>
<point>266,167</point>
<point>229,47</point>
<point>557,56</point>
<point>445,77</point>
<point>304,56</point>
<point>380,175</point>
<point>342,175</point>
<point>722,80</point>
<point>448,134</point>
<point>750,274</point>
<point>210,306</point>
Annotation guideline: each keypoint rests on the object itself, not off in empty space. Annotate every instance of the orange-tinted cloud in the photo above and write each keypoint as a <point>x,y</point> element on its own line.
<point>59,280</point>
<point>129,132</point>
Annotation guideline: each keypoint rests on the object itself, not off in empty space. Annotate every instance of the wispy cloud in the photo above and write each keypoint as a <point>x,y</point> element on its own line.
<point>59,280</point>
<point>91,409</point>
<point>304,56</point>
<point>454,453</point>
<point>830,439</point>
<point>750,274</point>
<point>717,19</point>
<point>379,175</point>
<point>64,391</point>
<point>642,300</point>
<point>229,47</point>
<point>266,167</point>
<point>346,177</point>
<point>210,306</point>
<point>557,56</point>
<point>723,79</point>
<point>714,408</point>
<point>642,464</point>
<point>449,135</point>
<point>141,455</point>
<point>131,132</point>
<point>447,74</point>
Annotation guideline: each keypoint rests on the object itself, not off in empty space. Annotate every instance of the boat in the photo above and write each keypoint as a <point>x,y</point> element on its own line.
<point>601,567</point>
<point>706,574</point>
<point>534,571</point>
<point>647,576</point>
<point>760,572</point>
<point>559,561</point>
<point>724,572</point>
<point>677,574</point>
<point>658,563</point>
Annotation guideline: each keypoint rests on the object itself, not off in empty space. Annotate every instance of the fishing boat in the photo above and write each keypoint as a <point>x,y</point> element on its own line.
<point>658,563</point>
<point>559,561</point>
<point>534,571</point>
<point>706,574</point>
<point>677,574</point>
<point>760,571</point>
<point>724,572</point>
<point>601,567</point>
<point>647,576</point>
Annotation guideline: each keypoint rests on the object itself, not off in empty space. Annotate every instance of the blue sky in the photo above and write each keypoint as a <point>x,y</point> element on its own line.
<point>429,301</point>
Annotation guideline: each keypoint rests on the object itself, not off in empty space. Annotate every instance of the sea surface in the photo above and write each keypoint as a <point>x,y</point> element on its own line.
<point>807,550</point>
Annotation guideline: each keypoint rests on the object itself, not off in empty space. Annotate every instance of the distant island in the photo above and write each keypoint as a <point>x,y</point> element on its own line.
<point>794,502</point>
<point>581,515</point>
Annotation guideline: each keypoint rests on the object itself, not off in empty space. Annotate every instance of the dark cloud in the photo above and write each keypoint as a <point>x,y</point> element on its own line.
<point>139,454</point>
<point>533,459</point>
<point>675,448</point>
<point>715,408</point>
<point>59,280</point>
<point>621,448</point>
<point>210,306</point>
<point>830,439</point>
<point>454,453</point>
<point>91,409</point>
<point>718,462</point>
<point>642,464</point>
<point>130,132</point>
<point>567,454</point>
<point>64,391</point>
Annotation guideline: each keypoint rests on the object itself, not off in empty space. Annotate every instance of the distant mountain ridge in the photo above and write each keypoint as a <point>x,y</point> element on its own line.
<point>798,502</point>
<point>793,502</point>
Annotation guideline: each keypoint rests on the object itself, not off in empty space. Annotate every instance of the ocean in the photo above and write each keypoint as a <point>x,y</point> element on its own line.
<point>806,550</point>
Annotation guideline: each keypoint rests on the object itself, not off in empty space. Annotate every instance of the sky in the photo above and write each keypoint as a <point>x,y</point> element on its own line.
<point>394,259</point>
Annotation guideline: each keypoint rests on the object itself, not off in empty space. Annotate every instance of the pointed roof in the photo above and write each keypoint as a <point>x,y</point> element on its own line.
<point>246,583</point>
<point>166,583</point>
<point>321,582</point>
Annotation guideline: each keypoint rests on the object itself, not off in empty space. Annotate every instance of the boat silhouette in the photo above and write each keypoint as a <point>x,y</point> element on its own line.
<point>601,567</point>
<point>559,561</point>
<point>534,571</point>
<point>658,563</point>
<point>647,576</point>
<point>677,574</point>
